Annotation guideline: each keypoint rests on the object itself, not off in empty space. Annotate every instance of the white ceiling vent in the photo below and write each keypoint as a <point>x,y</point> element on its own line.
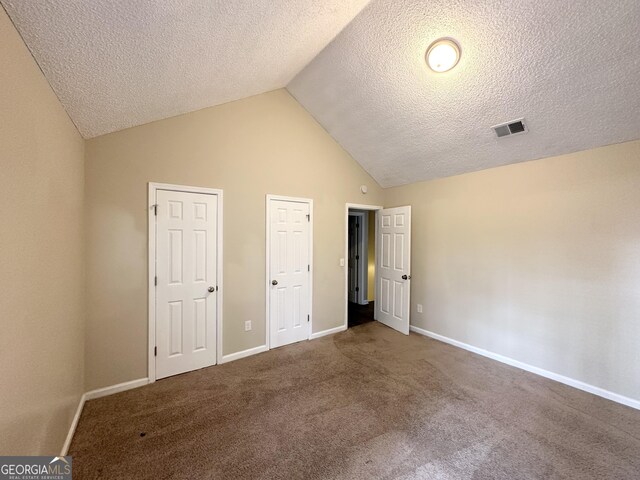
<point>514,127</point>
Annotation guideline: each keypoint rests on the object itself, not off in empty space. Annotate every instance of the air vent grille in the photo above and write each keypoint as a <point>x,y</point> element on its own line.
<point>514,127</point>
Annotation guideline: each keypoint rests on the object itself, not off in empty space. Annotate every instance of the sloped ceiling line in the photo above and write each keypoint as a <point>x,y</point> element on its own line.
<point>569,68</point>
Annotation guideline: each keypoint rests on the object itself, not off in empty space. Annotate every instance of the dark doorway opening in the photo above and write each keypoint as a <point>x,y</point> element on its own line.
<point>359,314</point>
<point>361,267</point>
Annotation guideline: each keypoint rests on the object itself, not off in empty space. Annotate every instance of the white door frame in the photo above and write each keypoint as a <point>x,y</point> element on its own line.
<point>267,322</point>
<point>355,206</point>
<point>363,247</point>
<point>153,188</point>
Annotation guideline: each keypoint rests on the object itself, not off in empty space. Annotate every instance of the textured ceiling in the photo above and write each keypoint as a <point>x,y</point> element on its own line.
<point>570,68</point>
<point>120,63</point>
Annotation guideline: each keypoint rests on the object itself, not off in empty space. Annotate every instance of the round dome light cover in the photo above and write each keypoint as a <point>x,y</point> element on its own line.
<point>443,55</point>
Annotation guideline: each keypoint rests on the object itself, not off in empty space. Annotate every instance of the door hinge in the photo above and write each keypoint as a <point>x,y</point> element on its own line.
<point>308,217</point>
<point>308,268</point>
<point>308,318</point>
<point>155,351</point>
<point>155,280</point>
<point>357,289</point>
<point>155,209</point>
<point>357,257</point>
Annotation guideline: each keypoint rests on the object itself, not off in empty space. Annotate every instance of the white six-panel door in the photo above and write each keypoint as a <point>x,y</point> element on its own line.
<point>186,291</point>
<point>289,274</point>
<point>393,265</point>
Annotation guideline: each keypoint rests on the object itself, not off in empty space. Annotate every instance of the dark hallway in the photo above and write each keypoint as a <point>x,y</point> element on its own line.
<point>359,314</point>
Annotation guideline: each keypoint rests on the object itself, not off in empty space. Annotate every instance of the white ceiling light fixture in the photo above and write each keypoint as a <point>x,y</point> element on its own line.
<point>443,55</point>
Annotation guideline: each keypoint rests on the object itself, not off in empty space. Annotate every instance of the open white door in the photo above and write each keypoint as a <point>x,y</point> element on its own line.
<point>393,265</point>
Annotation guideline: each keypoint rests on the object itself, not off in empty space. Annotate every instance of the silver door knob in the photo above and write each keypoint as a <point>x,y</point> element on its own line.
<point>212,289</point>
<point>274,282</point>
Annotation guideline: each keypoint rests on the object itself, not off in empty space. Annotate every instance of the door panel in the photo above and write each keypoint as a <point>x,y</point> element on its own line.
<point>394,262</point>
<point>289,275</point>
<point>186,266</point>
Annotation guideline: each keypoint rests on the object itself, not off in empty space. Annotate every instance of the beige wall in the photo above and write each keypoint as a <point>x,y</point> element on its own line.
<point>538,261</point>
<point>263,144</point>
<point>41,259</point>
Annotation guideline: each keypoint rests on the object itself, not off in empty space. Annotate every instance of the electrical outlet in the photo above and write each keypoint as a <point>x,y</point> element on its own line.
<point>342,262</point>
<point>419,308</point>
<point>247,325</point>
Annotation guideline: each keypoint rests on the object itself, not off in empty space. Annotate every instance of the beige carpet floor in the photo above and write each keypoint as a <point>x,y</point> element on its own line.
<point>367,403</point>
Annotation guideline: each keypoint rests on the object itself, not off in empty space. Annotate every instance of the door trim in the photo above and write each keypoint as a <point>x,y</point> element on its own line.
<point>267,282</point>
<point>152,190</point>
<point>355,206</point>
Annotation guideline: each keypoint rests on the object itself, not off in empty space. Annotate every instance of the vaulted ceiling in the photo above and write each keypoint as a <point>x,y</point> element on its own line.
<point>119,63</point>
<point>570,68</point>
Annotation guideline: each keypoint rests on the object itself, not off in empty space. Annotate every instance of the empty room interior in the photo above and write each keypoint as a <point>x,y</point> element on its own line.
<point>320,239</point>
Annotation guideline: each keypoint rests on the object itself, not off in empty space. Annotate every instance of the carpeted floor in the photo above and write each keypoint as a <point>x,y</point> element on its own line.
<point>367,403</point>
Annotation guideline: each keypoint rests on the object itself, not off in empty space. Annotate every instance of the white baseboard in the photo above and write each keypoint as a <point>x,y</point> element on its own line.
<point>120,387</point>
<point>72,427</point>
<point>263,348</point>
<point>100,392</point>
<point>244,353</point>
<point>331,331</point>
<point>601,392</point>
